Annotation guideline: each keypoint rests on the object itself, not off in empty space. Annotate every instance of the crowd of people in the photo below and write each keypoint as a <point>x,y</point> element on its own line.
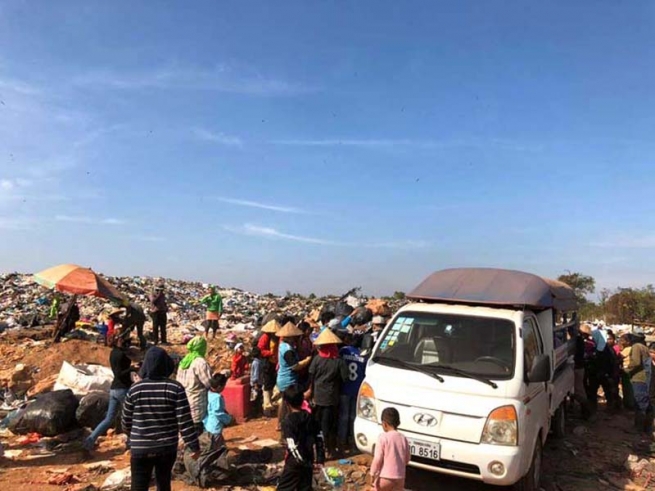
<point>622,368</point>
<point>306,375</point>
<point>303,373</point>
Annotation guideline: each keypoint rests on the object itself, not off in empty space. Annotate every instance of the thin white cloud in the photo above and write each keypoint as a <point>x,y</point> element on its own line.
<point>89,220</point>
<point>7,184</point>
<point>92,136</point>
<point>261,206</point>
<point>272,233</point>
<point>628,242</point>
<point>220,138</point>
<point>405,142</point>
<point>18,87</point>
<point>149,238</point>
<point>223,78</point>
<point>12,223</point>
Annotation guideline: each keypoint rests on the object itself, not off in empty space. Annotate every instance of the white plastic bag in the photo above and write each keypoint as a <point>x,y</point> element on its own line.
<point>118,480</point>
<point>82,379</point>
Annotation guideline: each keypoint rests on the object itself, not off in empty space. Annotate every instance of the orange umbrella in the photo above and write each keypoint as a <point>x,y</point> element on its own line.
<point>70,278</point>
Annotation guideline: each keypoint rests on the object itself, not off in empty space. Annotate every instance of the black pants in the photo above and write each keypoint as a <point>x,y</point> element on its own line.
<point>159,320</point>
<point>270,376</point>
<point>139,331</point>
<point>211,324</point>
<point>327,416</point>
<point>295,478</point>
<point>143,465</point>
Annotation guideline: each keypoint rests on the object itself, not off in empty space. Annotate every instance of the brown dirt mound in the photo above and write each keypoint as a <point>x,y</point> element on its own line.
<point>48,357</point>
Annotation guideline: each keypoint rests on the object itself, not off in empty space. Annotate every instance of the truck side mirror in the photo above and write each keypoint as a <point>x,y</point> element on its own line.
<point>367,343</point>
<point>540,371</point>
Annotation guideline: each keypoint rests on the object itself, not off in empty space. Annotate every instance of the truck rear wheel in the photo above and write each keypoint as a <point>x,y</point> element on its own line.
<point>559,421</point>
<point>530,482</point>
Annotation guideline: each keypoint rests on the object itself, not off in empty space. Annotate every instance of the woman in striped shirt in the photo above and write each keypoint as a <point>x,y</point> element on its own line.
<point>155,410</point>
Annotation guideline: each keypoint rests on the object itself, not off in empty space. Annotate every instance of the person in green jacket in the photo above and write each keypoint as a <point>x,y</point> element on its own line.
<point>214,303</point>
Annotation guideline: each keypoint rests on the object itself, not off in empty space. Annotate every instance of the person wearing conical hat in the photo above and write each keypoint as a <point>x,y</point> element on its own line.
<point>113,321</point>
<point>326,374</point>
<point>268,348</point>
<point>289,363</point>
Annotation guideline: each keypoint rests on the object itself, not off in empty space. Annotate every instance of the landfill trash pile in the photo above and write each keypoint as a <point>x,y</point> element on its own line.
<point>23,303</point>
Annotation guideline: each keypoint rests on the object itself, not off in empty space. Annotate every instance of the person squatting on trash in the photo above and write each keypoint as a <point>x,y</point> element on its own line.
<point>135,318</point>
<point>303,439</point>
<point>194,373</point>
<point>122,368</point>
<point>214,303</point>
<point>217,417</point>
<point>392,455</point>
<point>155,410</point>
<point>239,362</point>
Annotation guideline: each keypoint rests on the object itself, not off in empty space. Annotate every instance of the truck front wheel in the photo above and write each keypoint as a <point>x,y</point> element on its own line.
<point>530,482</point>
<point>559,421</point>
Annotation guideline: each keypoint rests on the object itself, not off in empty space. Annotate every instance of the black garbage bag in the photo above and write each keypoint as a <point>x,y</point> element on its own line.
<point>361,316</point>
<point>210,470</point>
<point>342,309</point>
<point>50,414</point>
<point>92,409</point>
<point>328,307</point>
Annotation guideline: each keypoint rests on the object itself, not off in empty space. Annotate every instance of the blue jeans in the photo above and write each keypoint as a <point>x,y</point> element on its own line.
<point>347,412</point>
<point>116,398</point>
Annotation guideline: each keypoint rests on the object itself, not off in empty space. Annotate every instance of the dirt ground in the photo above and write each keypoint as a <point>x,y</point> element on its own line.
<point>593,456</point>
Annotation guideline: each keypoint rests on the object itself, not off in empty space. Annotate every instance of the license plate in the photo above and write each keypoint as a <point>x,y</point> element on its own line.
<point>425,450</point>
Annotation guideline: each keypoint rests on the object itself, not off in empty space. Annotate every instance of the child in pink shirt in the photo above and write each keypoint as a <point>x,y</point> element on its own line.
<point>391,455</point>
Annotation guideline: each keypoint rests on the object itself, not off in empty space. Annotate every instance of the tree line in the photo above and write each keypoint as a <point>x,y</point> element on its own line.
<point>618,306</point>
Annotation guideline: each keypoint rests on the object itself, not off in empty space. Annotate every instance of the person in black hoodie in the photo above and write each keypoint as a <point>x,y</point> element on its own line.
<point>156,409</point>
<point>302,434</point>
<point>121,365</point>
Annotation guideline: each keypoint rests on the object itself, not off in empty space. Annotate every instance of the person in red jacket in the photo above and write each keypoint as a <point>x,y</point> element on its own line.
<point>268,347</point>
<point>239,362</point>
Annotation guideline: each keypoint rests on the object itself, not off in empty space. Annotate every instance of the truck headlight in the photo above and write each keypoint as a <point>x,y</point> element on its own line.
<point>366,403</point>
<point>502,427</point>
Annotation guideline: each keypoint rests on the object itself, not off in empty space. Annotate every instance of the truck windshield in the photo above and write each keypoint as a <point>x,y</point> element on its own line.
<point>478,345</point>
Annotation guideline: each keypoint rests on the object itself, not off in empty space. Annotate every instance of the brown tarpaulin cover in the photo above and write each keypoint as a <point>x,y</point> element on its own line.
<point>495,287</point>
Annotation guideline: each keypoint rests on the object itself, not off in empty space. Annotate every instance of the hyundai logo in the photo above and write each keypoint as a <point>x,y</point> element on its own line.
<point>425,420</point>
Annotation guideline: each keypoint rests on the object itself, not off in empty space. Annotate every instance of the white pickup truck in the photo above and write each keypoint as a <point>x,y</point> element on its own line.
<point>479,368</point>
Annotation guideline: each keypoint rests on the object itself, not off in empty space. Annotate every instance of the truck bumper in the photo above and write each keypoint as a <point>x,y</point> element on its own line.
<point>467,460</point>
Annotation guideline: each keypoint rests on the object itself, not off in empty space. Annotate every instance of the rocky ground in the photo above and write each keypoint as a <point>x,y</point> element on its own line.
<point>604,454</point>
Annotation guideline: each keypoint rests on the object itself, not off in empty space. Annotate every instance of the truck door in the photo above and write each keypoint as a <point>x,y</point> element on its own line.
<point>536,400</point>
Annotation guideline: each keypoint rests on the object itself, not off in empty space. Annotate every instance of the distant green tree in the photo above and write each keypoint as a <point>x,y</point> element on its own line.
<point>582,285</point>
<point>629,305</point>
<point>312,296</point>
<point>399,295</point>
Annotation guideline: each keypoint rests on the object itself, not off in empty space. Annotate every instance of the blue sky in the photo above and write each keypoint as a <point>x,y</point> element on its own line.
<point>316,146</point>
